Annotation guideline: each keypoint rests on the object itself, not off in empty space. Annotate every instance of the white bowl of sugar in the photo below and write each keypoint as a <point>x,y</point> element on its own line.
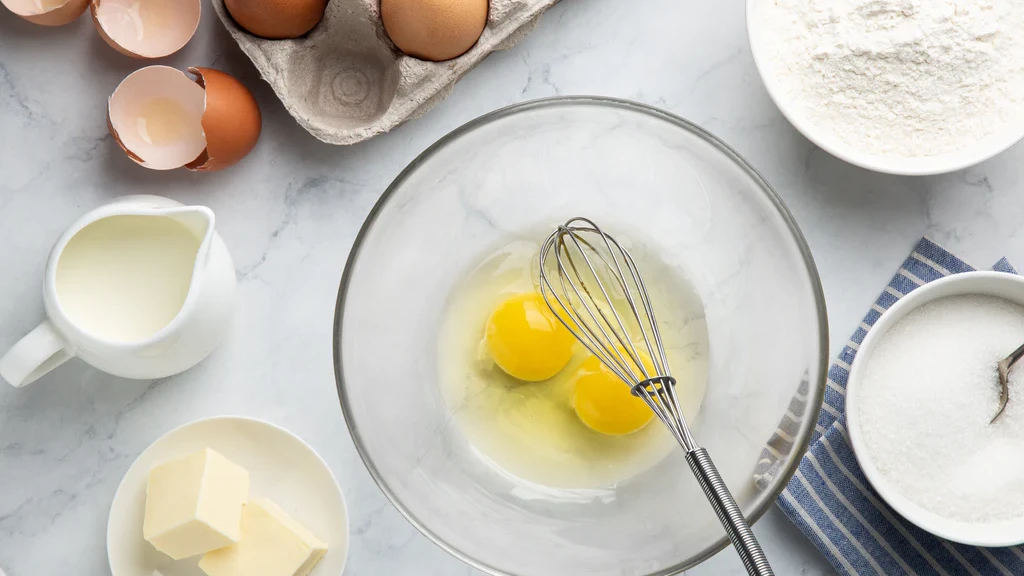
<point>912,88</point>
<point>921,394</point>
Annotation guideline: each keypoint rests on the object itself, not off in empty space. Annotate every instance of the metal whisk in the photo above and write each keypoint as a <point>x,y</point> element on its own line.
<point>590,272</point>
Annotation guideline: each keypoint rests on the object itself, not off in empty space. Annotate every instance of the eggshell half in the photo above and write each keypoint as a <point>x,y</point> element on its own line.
<point>232,121</point>
<point>146,28</point>
<point>155,115</point>
<point>47,12</point>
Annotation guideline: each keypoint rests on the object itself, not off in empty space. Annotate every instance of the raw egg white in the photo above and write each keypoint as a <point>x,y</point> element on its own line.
<point>47,12</point>
<point>277,19</point>
<point>146,28</point>
<point>580,428</point>
<point>163,119</point>
<point>434,29</point>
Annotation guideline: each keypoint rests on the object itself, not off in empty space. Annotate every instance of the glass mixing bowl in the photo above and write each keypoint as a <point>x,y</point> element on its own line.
<point>697,204</point>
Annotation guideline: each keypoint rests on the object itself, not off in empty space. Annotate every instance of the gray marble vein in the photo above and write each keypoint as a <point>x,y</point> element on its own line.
<point>290,212</point>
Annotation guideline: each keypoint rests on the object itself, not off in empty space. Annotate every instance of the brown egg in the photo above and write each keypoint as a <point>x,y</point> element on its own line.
<point>434,29</point>
<point>277,19</point>
<point>146,28</point>
<point>47,12</point>
<point>232,120</point>
<point>163,119</point>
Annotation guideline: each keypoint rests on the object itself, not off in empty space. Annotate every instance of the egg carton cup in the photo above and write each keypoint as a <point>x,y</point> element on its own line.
<point>346,82</point>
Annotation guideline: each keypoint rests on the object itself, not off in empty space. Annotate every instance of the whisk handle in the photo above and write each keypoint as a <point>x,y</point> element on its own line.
<point>729,513</point>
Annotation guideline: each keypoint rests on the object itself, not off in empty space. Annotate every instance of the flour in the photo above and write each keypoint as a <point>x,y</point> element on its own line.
<point>900,78</point>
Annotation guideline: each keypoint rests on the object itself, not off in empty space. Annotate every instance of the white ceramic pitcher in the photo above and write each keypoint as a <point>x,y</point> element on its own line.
<point>198,326</point>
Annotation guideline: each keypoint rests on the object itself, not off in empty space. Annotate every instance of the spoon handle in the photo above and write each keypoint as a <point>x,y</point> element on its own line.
<point>729,513</point>
<point>1014,356</point>
<point>1003,369</point>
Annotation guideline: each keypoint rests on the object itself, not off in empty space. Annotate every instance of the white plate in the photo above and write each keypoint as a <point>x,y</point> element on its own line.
<point>281,467</point>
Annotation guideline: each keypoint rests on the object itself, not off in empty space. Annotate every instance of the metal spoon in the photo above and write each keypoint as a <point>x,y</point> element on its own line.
<point>1004,379</point>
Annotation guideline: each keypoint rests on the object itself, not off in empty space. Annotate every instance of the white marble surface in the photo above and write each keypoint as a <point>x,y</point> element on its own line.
<point>289,214</point>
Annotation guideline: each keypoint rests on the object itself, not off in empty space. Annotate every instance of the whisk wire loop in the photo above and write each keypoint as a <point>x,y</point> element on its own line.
<point>593,271</point>
<point>589,338</point>
<point>613,260</point>
<point>622,344</point>
<point>587,272</point>
<point>654,339</point>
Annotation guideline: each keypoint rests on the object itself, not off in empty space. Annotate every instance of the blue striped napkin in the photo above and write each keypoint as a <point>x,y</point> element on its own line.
<point>830,500</point>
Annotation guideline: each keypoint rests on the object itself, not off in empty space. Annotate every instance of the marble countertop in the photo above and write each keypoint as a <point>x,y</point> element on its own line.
<point>290,212</point>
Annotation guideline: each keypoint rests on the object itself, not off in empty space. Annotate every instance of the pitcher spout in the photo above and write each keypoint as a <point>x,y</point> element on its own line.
<point>200,221</point>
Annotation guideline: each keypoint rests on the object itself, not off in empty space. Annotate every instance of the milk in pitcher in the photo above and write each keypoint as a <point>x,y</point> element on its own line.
<point>124,278</point>
<point>142,287</point>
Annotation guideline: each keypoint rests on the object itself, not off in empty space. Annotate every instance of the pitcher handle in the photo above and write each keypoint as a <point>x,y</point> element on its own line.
<point>40,351</point>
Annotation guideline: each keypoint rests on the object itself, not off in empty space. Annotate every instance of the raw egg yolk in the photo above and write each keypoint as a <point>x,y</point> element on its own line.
<point>527,340</point>
<point>605,403</point>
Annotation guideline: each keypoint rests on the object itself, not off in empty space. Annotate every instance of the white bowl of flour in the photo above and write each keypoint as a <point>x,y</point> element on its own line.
<point>898,86</point>
<point>920,399</point>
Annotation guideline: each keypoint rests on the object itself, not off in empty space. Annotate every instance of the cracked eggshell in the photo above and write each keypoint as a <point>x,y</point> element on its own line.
<point>47,12</point>
<point>155,115</point>
<point>146,29</point>
<point>163,119</point>
<point>232,120</point>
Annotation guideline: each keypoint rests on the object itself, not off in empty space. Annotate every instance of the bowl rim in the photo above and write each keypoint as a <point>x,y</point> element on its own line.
<point>922,166</point>
<point>992,535</point>
<point>816,392</point>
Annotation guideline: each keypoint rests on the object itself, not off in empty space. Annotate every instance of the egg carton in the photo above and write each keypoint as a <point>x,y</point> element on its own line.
<point>346,82</point>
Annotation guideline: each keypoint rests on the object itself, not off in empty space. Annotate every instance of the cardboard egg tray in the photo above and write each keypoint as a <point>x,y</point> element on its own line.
<point>346,82</point>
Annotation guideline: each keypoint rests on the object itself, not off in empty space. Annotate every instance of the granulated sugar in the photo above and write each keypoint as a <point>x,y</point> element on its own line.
<point>927,396</point>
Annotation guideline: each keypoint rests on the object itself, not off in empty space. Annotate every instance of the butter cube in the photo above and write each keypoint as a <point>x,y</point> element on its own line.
<point>272,544</point>
<point>194,504</point>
